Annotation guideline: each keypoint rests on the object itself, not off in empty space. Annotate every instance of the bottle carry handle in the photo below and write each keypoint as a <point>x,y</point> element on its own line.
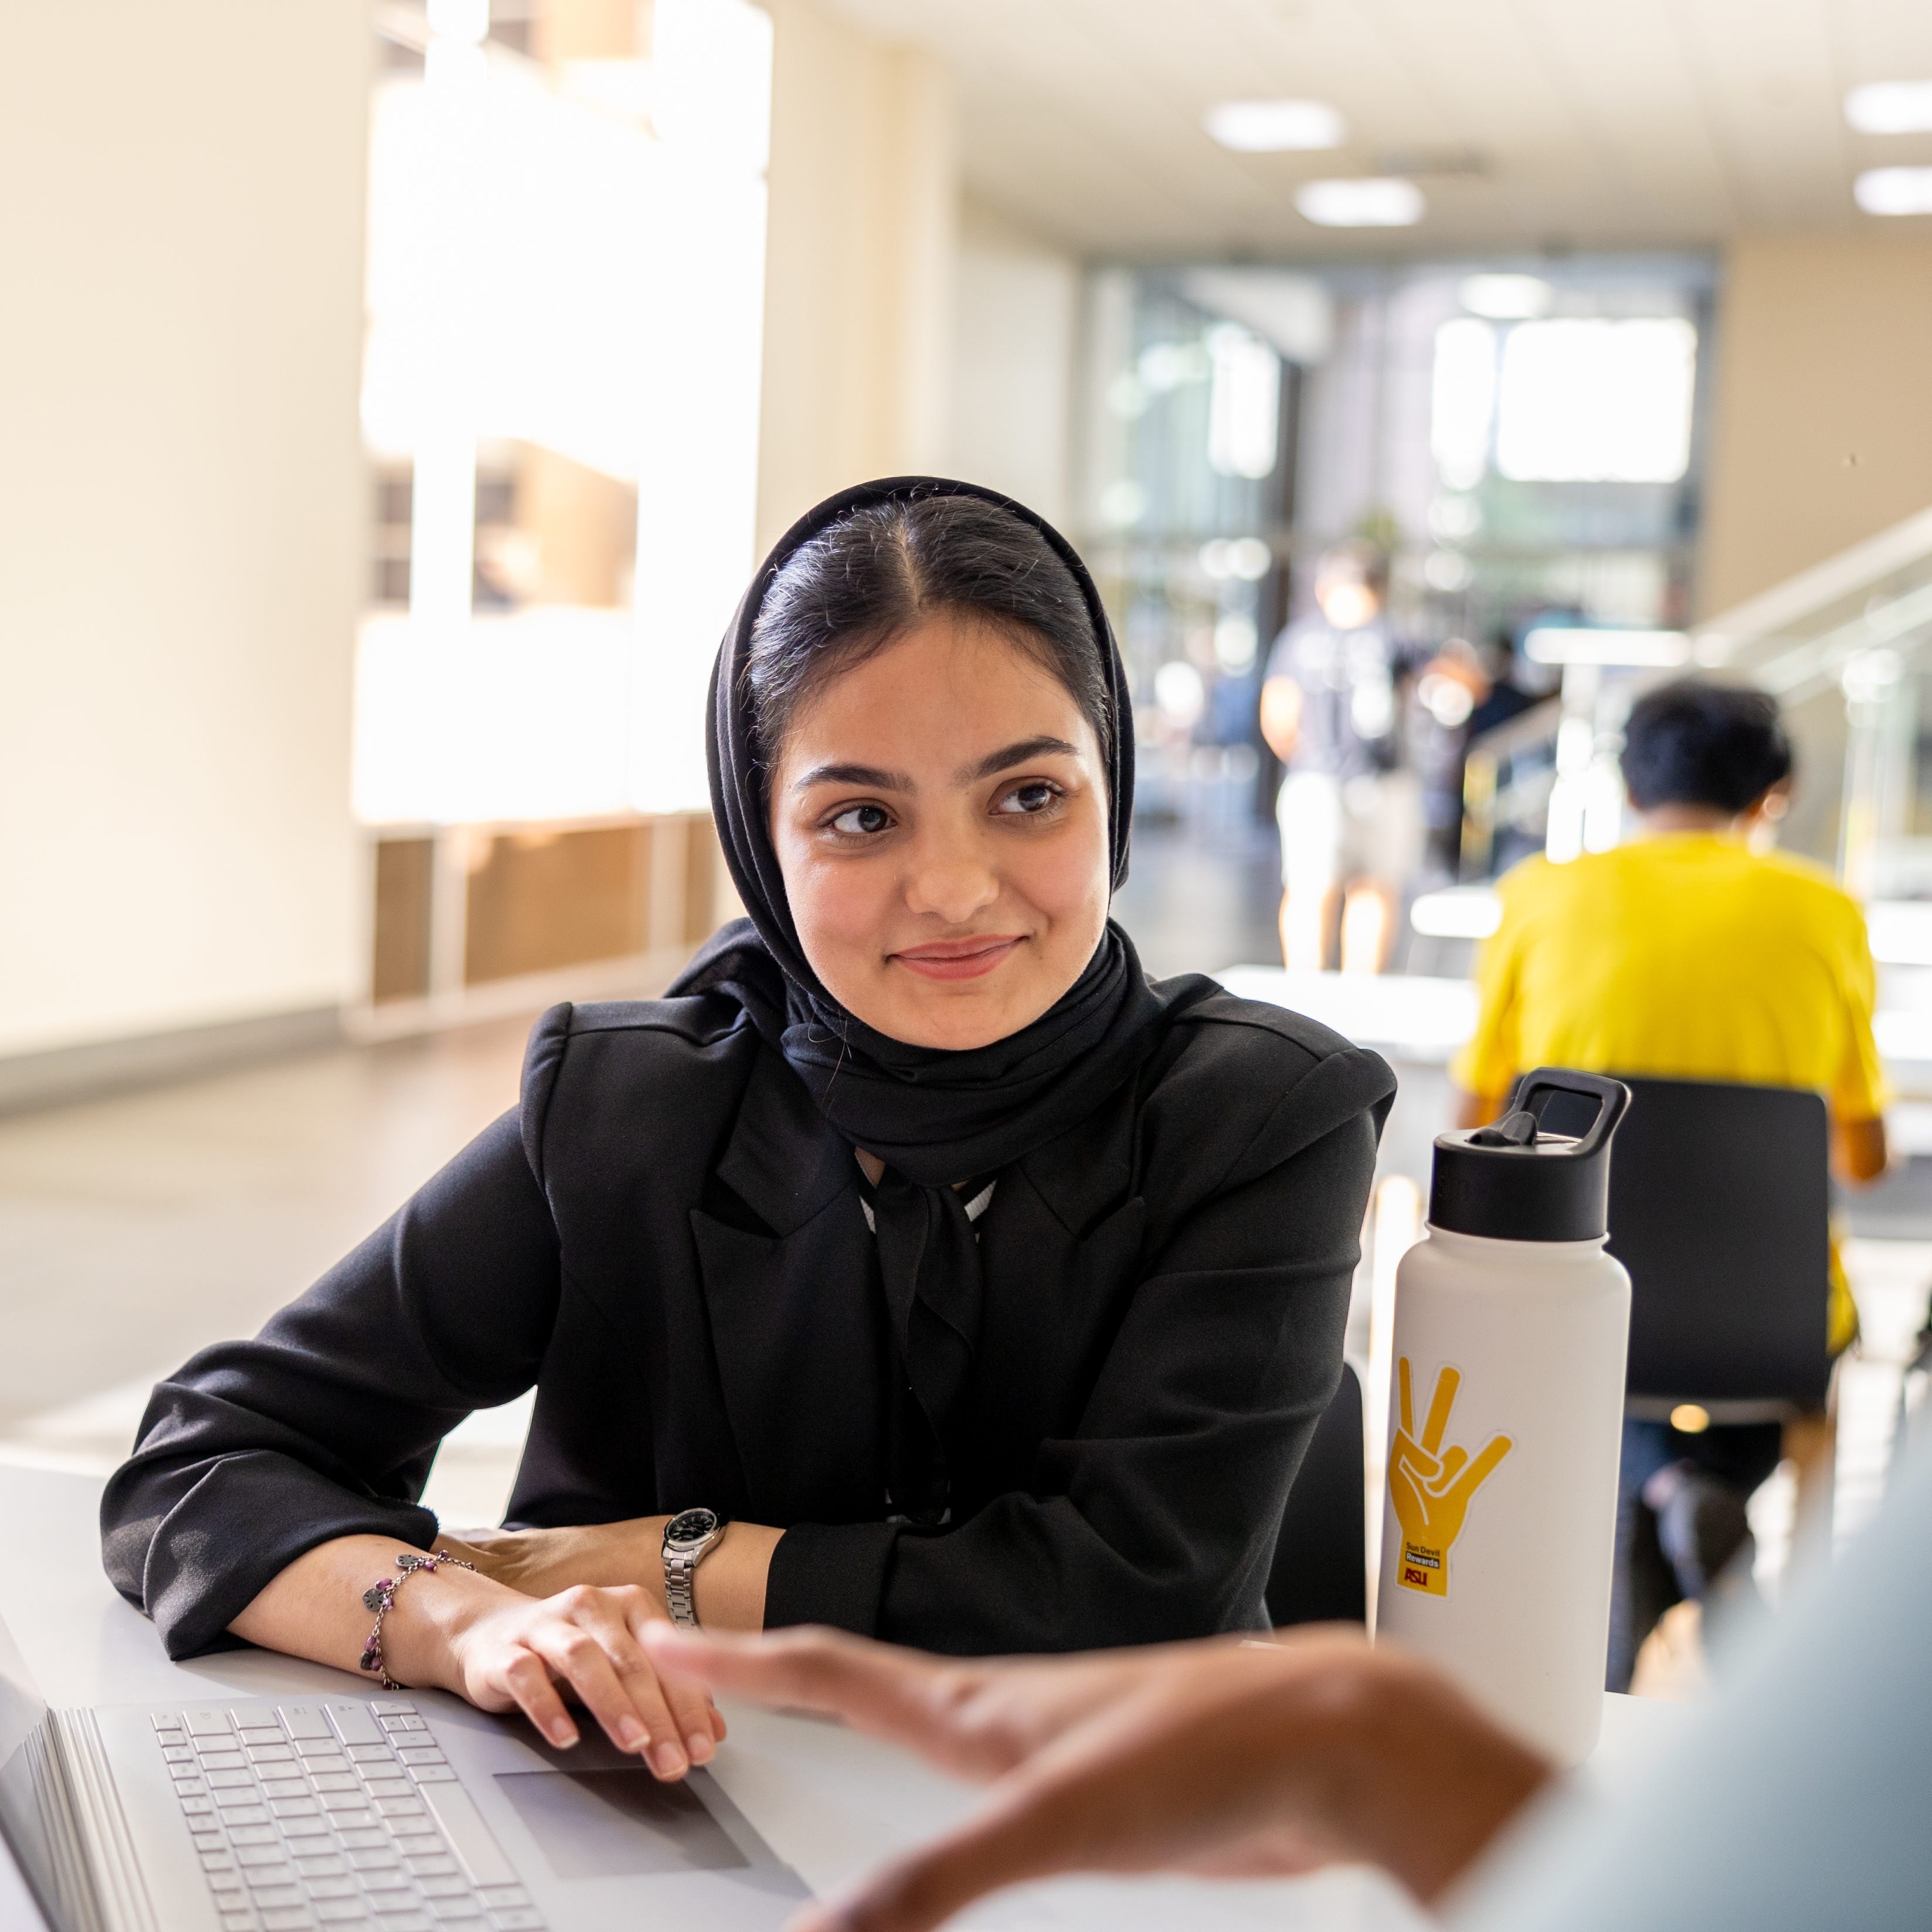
<point>1541,1095</point>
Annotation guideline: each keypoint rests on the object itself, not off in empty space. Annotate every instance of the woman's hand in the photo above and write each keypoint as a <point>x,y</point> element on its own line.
<point>475,1636</point>
<point>504,1652</point>
<point>1220,1757</point>
<point>542,1562</point>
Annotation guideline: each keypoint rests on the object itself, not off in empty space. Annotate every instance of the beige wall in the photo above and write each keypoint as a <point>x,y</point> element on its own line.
<point>1821,433</point>
<point>1017,303</point>
<point>859,289</point>
<point>181,512</point>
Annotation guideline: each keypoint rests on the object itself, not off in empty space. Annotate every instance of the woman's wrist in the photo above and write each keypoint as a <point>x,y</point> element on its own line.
<point>428,1619</point>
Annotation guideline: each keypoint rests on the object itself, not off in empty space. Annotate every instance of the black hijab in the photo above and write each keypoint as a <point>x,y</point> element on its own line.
<point>934,1117</point>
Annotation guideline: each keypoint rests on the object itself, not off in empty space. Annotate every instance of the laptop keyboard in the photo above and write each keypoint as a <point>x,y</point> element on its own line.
<point>313,1815</point>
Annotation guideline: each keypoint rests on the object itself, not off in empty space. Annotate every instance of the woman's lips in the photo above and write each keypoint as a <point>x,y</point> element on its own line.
<point>959,959</point>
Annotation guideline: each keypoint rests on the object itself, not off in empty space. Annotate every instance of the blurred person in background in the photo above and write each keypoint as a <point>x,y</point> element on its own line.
<point>1351,817</point>
<point>1694,952</point>
<point>1797,1801</point>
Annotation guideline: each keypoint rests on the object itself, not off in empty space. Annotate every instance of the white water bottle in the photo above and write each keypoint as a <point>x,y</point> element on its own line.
<point>1506,1415</point>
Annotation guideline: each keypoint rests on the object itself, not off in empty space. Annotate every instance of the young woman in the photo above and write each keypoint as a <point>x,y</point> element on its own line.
<point>986,1291</point>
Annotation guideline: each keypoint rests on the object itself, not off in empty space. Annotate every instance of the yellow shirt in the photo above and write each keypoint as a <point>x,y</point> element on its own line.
<point>1685,956</point>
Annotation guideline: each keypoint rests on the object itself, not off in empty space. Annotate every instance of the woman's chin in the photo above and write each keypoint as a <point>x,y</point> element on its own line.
<point>952,1016</point>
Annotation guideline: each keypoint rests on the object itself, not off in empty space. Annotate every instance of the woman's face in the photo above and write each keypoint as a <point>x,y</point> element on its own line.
<point>940,816</point>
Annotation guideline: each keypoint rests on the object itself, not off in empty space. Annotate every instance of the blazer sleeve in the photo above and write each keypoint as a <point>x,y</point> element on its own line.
<point>1156,1519</point>
<point>325,1424</point>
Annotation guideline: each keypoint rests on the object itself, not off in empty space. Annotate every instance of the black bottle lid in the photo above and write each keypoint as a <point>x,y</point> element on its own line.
<point>1542,1173</point>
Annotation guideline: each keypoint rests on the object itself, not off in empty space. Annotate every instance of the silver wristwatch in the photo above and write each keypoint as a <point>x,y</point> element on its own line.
<point>688,1538</point>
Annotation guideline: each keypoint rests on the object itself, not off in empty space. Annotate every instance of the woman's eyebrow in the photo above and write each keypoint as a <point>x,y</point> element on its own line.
<point>869,775</point>
<point>1017,754</point>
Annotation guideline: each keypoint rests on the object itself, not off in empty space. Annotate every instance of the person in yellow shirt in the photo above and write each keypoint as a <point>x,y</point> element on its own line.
<point>1694,952</point>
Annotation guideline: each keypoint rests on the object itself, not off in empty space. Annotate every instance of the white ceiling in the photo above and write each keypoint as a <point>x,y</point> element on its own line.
<point>1597,123</point>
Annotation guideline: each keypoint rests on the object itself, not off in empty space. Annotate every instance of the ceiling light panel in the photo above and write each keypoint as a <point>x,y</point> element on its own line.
<point>1275,127</point>
<point>1895,190</point>
<point>1891,107</point>
<point>1371,201</point>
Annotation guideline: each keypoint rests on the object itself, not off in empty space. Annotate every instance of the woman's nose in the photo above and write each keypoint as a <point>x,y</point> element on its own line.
<point>949,879</point>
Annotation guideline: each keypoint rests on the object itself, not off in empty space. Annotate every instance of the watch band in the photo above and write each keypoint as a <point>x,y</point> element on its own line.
<point>680,1575</point>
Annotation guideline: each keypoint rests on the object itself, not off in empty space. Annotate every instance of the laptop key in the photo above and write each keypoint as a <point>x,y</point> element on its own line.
<point>367,1838</point>
<point>353,1724</point>
<point>266,1896</point>
<point>288,1919</point>
<point>244,1814</point>
<point>303,1720</point>
<point>340,1911</point>
<point>259,1855</point>
<point>433,1774</point>
<point>302,1831</point>
<point>412,1921</point>
<point>344,1887</point>
<point>253,1834</point>
<point>517,1918</point>
<point>444,1888</point>
<point>389,1878</point>
<point>389,1787</point>
<point>436,1866</point>
<point>495,1896</point>
<point>409,1843</point>
<point>205,1723</point>
<point>465,1907</point>
<point>238,1921</point>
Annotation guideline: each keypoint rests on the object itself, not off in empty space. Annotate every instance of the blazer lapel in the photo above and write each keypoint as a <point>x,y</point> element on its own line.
<point>797,1323</point>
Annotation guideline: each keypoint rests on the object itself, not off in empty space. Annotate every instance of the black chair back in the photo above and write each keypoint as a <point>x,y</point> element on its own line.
<point>1719,1207</point>
<point>1320,1572</point>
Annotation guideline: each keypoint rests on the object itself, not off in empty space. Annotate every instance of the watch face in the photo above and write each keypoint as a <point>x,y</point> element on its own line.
<point>691,1526</point>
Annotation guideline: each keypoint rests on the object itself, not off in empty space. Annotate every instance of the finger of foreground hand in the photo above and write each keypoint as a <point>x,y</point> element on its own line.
<point>875,1687</point>
<point>631,1708</point>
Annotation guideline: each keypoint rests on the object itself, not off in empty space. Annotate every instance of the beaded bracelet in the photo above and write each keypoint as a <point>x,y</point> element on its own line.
<point>380,1596</point>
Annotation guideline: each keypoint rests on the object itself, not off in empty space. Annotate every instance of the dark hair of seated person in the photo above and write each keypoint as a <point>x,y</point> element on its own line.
<point>1694,743</point>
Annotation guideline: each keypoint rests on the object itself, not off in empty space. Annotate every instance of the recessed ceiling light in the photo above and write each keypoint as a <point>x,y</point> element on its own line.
<point>1895,190</point>
<point>1374,202</point>
<point>1507,298</point>
<point>1891,107</point>
<point>1274,127</point>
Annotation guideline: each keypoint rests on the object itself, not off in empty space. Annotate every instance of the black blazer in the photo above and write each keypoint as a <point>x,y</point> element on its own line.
<point>667,1239</point>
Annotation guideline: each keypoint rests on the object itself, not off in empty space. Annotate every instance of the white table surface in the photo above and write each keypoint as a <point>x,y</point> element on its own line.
<point>828,1801</point>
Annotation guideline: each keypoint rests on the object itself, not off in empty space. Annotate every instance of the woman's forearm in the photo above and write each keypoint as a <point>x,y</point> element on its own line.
<point>314,1609</point>
<point>731,1583</point>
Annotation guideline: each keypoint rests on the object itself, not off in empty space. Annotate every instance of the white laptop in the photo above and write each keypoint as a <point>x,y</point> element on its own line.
<point>401,1813</point>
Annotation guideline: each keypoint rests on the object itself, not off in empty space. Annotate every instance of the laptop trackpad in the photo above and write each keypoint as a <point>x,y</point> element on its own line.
<point>618,1824</point>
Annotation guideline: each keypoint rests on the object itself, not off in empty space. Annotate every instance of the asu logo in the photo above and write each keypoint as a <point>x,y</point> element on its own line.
<point>1430,1486</point>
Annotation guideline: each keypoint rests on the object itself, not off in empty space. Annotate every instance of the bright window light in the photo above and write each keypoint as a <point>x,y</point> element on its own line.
<point>1590,402</point>
<point>1562,644</point>
<point>1243,404</point>
<point>1457,912</point>
<point>1371,203</point>
<point>1463,401</point>
<point>1274,127</point>
<point>1507,298</point>
<point>1891,107</point>
<point>1901,931</point>
<point>1895,190</point>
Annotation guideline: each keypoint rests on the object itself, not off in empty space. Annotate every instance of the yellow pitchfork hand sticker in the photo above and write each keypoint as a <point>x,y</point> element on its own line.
<point>1431,1492</point>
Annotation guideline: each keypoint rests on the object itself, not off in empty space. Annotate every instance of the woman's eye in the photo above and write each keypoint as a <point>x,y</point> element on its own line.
<point>861,821</point>
<point>1029,801</point>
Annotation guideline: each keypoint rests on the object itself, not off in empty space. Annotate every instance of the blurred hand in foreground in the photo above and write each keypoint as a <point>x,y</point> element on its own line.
<point>1230,1758</point>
